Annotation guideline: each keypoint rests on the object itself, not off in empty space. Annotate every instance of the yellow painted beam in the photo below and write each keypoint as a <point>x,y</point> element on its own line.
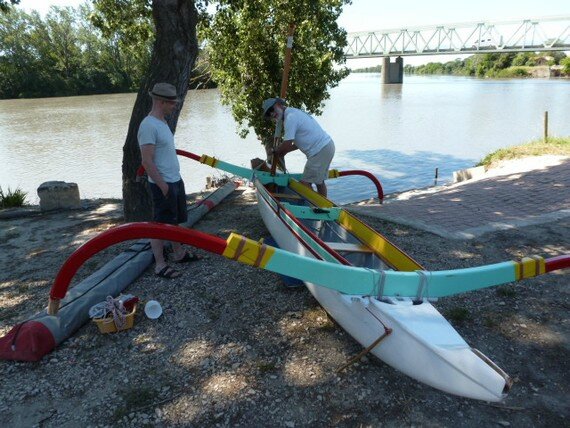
<point>379,244</point>
<point>309,194</point>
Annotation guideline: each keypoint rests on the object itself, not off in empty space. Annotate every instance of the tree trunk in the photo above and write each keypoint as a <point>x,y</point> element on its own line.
<point>174,52</point>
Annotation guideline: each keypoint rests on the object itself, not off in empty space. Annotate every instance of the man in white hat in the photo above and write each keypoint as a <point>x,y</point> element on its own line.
<point>304,133</point>
<point>160,161</point>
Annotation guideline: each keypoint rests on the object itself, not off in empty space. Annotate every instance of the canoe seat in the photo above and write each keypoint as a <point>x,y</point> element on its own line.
<point>285,196</point>
<point>348,248</point>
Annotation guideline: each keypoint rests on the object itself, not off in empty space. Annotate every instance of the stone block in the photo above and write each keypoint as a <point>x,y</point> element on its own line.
<point>468,174</point>
<point>58,195</point>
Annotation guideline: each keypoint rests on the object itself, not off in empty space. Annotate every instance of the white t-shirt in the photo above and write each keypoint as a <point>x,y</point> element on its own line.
<point>155,131</point>
<point>302,128</point>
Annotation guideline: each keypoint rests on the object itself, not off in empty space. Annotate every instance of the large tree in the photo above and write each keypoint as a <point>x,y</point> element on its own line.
<point>174,53</point>
<point>245,41</point>
<point>5,4</point>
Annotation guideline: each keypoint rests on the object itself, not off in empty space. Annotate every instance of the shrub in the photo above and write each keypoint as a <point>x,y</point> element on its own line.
<point>12,198</point>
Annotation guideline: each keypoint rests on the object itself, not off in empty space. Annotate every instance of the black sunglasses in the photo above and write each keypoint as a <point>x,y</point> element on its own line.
<point>269,112</point>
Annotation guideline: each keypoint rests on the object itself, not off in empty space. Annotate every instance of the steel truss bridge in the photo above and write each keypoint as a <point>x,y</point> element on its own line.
<point>529,35</point>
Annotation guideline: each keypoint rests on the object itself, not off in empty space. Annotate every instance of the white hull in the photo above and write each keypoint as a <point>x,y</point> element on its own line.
<point>422,344</point>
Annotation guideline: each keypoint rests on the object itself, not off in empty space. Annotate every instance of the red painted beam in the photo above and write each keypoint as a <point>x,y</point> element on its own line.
<point>128,232</point>
<point>140,171</point>
<point>365,174</point>
<point>559,262</point>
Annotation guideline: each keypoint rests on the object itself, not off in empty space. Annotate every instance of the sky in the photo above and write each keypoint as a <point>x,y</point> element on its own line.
<point>369,15</point>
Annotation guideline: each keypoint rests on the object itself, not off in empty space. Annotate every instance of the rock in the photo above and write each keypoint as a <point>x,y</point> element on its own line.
<point>56,195</point>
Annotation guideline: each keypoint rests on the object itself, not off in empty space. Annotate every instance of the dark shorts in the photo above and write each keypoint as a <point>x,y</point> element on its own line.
<point>171,208</point>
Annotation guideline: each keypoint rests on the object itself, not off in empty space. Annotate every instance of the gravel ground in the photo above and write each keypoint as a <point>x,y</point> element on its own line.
<point>235,347</point>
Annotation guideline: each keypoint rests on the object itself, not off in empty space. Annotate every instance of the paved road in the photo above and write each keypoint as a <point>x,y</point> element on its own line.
<point>519,193</point>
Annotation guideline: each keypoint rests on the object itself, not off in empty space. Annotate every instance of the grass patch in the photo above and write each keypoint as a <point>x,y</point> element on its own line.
<point>553,146</point>
<point>457,314</point>
<point>12,198</point>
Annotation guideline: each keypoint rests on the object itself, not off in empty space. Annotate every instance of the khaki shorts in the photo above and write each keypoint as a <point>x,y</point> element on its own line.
<point>317,166</point>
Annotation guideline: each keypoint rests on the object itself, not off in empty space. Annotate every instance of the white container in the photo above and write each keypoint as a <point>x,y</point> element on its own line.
<point>152,309</point>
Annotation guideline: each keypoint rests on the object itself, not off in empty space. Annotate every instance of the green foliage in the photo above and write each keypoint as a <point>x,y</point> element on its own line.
<point>13,198</point>
<point>493,64</point>
<point>375,69</point>
<point>512,72</point>
<point>246,43</point>
<point>565,63</point>
<point>65,54</point>
<point>452,67</point>
<point>5,4</point>
<point>554,146</point>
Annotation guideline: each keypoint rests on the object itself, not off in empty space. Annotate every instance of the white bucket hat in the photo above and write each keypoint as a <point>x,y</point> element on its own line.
<point>270,102</point>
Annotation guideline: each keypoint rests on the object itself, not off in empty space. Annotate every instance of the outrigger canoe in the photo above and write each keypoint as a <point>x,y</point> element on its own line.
<point>373,289</point>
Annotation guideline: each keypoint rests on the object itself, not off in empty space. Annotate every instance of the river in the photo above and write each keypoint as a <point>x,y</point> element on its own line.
<point>401,133</point>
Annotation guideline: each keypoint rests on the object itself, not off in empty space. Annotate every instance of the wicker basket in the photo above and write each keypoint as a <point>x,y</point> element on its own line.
<point>107,325</point>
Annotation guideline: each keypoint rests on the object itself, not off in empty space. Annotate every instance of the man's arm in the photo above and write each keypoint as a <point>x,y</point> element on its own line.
<point>147,154</point>
<point>285,147</point>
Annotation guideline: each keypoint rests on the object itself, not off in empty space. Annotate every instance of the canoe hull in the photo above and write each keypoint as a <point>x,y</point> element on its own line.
<point>422,344</point>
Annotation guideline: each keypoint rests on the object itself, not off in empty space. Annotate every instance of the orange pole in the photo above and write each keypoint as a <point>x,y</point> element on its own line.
<point>284,86</point>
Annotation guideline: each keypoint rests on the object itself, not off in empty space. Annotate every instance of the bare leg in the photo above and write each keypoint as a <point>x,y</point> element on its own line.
<point>157,246</point>
<point>178,250</point>
<point>322,189</point>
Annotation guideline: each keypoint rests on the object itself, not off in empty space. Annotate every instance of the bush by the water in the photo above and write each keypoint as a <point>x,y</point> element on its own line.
<point>553,146</point>
<point>12,198</point>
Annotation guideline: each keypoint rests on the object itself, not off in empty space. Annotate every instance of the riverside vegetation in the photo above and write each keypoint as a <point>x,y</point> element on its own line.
<point>491,65</point>
<point>552,146</point>
<point>12,198</point>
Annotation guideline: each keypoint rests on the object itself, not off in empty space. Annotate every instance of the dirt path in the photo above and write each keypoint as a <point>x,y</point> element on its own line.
<point>235,347</point>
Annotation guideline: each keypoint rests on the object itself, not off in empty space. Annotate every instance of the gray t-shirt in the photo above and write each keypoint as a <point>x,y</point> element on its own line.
<point>155,131</point>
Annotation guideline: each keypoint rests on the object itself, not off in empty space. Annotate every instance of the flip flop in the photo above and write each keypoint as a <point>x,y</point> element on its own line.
<point>168,273</point>
<point>188,258</point>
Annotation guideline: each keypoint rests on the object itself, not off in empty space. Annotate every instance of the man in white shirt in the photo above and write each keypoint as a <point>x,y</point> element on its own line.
<point>304,133</point>
<point>160,161</point>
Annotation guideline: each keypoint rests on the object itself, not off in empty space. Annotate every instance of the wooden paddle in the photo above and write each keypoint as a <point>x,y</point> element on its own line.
<point>284,85</point>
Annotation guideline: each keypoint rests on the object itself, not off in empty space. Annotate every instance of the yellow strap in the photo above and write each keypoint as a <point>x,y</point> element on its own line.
<point>208,160</point>
<point>239,249</point>
<point>247,251</point>
<point>260,255</point>
<point>530,267</point>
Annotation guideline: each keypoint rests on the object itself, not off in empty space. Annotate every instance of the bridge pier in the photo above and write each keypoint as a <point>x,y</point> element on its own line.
<point>392,72</point>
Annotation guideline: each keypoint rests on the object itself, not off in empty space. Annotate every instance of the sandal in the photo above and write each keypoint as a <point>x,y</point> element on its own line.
<point>168,273</point>
<point>188,258</point>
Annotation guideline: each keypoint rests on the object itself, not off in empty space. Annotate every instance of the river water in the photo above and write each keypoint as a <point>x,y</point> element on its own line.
<point>401,133</point>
